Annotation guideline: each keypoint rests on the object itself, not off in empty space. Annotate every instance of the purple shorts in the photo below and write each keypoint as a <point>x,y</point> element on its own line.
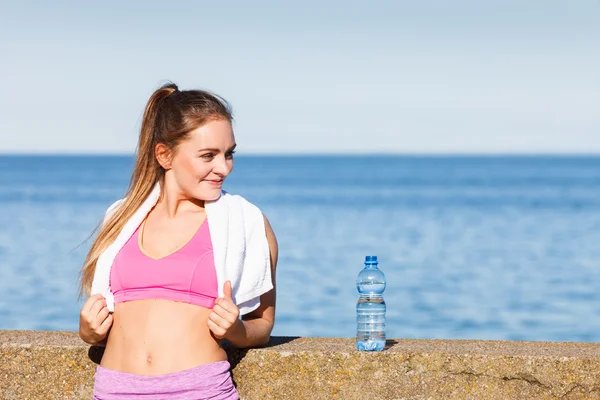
<point>210,381</point>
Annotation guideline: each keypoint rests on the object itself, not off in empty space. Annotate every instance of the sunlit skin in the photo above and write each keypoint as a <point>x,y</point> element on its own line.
<point>155,336</point>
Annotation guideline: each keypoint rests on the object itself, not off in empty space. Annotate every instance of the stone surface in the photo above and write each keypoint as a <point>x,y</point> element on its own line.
<point>58,365</point>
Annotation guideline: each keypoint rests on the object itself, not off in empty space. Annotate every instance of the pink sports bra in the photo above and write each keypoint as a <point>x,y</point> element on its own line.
<point>187,275</point>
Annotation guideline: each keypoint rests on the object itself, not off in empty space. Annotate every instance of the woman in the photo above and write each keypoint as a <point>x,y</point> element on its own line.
<point>178,261</point>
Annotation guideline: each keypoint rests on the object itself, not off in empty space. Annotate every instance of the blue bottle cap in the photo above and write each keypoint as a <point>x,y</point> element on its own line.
<point>371,259</point>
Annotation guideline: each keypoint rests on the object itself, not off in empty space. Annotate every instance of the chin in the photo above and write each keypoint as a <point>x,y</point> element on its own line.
<point>208,194</point>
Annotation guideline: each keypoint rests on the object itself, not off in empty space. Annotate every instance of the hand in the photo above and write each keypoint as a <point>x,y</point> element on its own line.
<point>94,320</point>
<point>224,315</point>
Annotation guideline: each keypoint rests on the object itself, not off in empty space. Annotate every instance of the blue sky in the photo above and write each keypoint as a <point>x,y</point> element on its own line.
<point>311,76</point>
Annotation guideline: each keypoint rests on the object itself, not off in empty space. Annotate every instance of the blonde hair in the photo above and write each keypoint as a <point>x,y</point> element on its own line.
<point>169,116</point>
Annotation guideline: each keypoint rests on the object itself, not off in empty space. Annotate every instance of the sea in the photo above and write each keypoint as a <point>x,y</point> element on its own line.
<point>473,247</point>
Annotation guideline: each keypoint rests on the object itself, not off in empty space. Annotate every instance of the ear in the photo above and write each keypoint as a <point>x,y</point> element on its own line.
<point>163,155</point>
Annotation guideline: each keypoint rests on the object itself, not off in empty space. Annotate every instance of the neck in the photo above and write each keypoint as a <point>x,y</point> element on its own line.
<point>173,203</point>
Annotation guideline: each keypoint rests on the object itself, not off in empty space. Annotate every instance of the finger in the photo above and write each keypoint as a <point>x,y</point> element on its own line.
<point>90,316</point>
<point>216,329</point>
<point>97,320</point>
<point>105,325</point>
<point>102,315</point>
<point>216,318</point>
<point>90,303</point>
<point>219,320</point>
<point>224,313</point>
<point>226,309</point>
<point>96,308</point>
<point>227,290</point>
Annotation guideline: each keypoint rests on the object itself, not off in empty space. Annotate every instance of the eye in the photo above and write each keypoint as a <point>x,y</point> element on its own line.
<point>207,156</point>
<point>230,154</point>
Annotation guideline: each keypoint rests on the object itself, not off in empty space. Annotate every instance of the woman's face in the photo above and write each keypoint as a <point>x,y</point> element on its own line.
<point>201,163</point>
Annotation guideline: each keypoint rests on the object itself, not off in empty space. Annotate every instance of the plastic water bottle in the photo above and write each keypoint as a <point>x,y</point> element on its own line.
<point>370,308</point>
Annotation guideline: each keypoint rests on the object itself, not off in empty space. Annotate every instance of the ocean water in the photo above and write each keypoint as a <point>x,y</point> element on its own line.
<point>472,247</point>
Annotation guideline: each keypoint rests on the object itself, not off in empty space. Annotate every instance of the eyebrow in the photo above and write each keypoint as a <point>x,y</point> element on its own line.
<point>217,150</point>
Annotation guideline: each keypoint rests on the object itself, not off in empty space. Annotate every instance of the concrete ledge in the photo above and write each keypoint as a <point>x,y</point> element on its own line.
<point>58,365</point>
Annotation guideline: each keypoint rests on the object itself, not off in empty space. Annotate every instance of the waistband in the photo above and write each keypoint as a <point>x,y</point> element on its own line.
<point>204,381</point>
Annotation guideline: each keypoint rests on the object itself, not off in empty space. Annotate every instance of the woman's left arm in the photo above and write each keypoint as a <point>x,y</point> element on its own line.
<point>254,329</point>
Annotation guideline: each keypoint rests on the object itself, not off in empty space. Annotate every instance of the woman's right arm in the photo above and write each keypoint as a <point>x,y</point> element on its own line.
<point>95,321</point>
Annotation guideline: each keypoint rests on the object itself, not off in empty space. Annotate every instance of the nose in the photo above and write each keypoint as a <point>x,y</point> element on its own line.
<point>222,166</point>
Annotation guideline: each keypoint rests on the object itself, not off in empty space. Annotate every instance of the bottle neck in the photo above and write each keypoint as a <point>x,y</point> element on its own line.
<point>371,295</point>
<point>371,266</point>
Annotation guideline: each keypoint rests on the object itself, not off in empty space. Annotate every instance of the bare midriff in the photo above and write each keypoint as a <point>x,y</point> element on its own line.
<point>155,337</point>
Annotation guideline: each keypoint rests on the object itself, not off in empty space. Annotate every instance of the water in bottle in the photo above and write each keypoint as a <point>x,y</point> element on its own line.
<point>370,309</point>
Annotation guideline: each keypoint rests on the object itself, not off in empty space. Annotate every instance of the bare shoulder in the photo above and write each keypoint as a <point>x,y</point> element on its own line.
<point>272,240</point>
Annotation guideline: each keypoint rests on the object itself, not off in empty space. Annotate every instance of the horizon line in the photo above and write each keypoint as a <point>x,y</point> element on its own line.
<point>325,154</point>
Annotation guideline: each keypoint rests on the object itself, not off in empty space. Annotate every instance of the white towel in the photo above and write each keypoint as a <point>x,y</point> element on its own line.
<point>239,241</point>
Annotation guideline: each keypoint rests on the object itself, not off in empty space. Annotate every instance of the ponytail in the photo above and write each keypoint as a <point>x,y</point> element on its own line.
<point>146,173</point>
